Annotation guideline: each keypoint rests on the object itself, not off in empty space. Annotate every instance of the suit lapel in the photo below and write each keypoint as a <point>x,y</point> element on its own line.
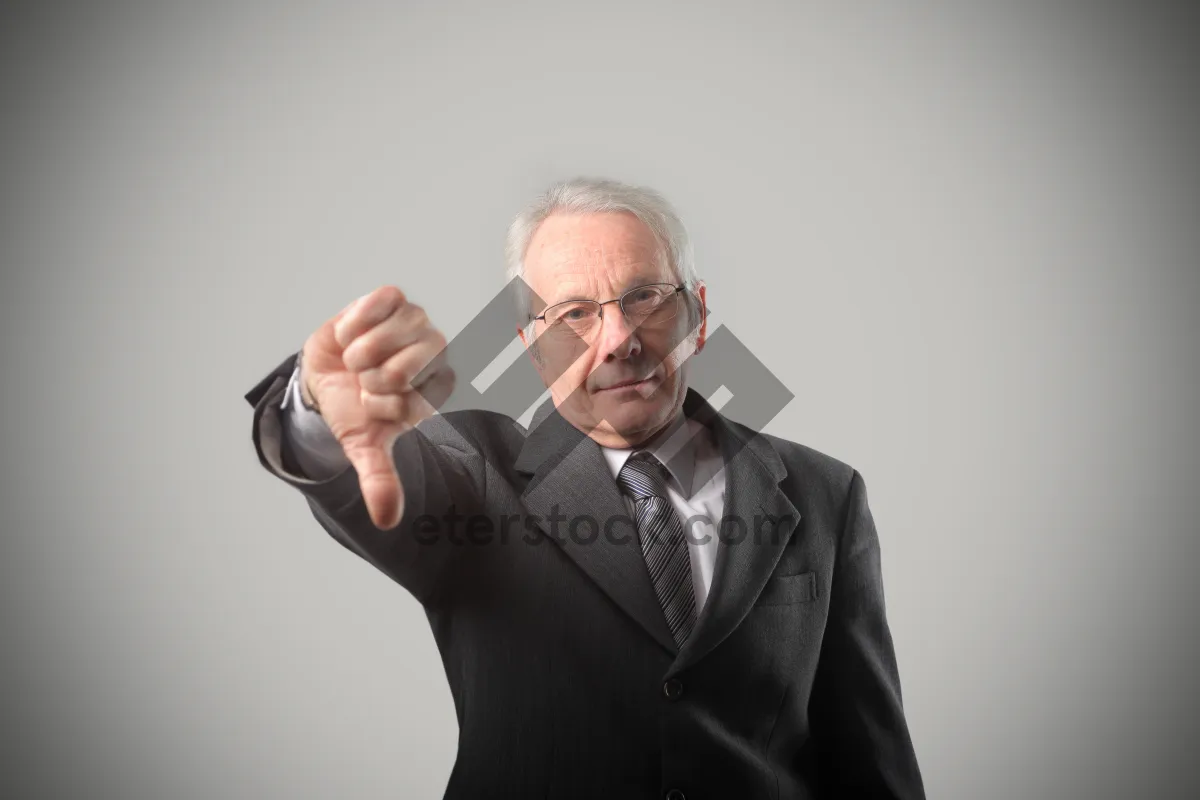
<point>570,480</point>
<point>745,557</point>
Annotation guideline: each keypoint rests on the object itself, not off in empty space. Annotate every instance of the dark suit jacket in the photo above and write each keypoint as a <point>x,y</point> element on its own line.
<point>565,678</point>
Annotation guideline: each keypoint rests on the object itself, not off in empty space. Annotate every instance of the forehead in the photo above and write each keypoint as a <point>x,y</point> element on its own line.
<point>567,243</point>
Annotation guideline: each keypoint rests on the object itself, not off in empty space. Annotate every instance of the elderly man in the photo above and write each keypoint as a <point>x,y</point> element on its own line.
<point>603,631</point>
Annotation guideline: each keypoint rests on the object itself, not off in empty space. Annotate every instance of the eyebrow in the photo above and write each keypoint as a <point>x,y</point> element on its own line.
<point>633,284</point>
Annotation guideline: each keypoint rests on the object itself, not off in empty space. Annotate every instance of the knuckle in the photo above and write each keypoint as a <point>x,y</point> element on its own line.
<point>417,315</point>
<point>354,358</point>
<point>380,406</point>
<point>369,351</point>
<point>372,380</point>
<point>398,371</point>
<point>389,293</point>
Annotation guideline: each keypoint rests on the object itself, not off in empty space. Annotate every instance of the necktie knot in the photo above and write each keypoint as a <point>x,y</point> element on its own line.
<point>642,477</point>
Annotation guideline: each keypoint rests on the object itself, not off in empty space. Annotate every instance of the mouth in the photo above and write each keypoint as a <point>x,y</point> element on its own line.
<point>632,383</point>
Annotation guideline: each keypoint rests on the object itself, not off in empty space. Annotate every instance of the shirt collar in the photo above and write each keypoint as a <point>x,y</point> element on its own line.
<point>674,446</point>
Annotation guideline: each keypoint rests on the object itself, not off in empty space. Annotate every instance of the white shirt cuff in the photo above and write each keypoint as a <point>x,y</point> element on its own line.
<point>316,449</point>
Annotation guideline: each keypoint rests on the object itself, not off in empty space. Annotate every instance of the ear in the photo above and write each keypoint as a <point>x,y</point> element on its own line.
<point>531,347</point>
<point>702,332</point>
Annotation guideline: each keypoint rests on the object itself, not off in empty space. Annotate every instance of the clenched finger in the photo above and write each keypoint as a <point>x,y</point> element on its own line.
<point>405,327</point>
<point>367,312</point>
<point>423,402</point>
<point>390,407</point>
<point>400,372</point>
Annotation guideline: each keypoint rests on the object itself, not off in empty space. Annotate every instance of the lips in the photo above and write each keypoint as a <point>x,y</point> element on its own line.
<point>630,383</point>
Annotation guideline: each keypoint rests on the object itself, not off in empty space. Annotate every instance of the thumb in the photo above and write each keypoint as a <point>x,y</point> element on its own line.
<point>379,482</point>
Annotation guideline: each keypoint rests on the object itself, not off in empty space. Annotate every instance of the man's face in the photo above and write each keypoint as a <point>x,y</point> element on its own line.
<point>624,380</point>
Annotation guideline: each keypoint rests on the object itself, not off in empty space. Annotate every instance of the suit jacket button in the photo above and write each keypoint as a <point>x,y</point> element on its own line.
<point>675,794</point>
<point>673,690</point>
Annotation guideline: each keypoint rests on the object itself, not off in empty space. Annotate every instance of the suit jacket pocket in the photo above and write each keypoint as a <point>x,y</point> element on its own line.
<point>783,590</point>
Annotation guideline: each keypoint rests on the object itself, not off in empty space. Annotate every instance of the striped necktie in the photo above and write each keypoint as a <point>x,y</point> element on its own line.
<point>661,534</point>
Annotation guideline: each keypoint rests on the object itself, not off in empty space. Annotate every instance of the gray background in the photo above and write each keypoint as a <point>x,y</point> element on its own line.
<point>964,238</point>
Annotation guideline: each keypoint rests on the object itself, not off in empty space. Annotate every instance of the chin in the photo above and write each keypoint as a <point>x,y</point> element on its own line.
<point>634,415</point>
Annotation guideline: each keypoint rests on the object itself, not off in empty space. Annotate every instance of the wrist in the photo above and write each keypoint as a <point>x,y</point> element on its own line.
<point>306,395</point>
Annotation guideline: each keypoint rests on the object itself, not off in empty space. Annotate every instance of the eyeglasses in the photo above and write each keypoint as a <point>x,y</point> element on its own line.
<point>652,304</point>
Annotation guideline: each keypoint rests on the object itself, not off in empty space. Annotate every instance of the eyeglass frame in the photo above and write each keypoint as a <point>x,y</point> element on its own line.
<point>618,300</point>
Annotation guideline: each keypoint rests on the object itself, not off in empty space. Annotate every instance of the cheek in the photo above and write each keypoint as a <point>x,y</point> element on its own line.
<point>672,362</point>
<point>673,359</point>
<point>572,370</point>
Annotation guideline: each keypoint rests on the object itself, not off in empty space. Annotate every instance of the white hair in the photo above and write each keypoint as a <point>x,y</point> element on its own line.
<point>598,195</point>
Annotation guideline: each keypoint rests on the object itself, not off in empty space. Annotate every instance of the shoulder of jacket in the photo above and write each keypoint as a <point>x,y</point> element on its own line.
<point>472,429</point>
<point>812,469</point>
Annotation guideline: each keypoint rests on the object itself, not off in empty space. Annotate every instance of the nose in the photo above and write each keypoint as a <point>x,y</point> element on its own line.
<point>617,338</point>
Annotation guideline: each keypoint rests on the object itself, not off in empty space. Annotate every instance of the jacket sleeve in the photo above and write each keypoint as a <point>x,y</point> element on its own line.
<point>437,475</point>
<point>862,739</point>
<point>307,436</point>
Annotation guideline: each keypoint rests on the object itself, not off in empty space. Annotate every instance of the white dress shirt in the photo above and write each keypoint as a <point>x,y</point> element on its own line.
<point>696,486</point>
